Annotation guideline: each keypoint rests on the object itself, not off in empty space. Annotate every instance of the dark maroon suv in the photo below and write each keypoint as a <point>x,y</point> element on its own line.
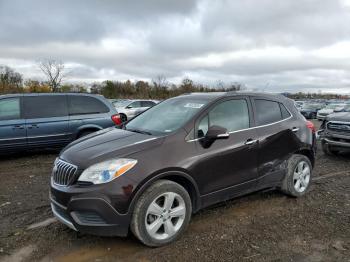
<point>178,157</point>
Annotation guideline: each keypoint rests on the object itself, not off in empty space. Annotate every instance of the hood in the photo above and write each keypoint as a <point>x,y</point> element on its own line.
<point>343,117</point>
<point>106,144</point>
<point>326,111</point>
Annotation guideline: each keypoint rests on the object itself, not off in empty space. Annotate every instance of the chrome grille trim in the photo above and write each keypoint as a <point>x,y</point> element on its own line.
<point>63,173</point>
<point>339,126</point>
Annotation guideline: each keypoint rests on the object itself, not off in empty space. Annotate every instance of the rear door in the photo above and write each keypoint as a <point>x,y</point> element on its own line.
<point>46,120</point>
<point>278,138</point>
<point>12,124</point>
<point>87,112</point>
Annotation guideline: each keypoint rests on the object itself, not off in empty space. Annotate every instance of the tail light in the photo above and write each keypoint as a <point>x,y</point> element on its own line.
<point>116,119</point>
<point>311,126</point>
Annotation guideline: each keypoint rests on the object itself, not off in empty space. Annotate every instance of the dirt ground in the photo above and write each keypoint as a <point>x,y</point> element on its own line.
<point>266,226</point>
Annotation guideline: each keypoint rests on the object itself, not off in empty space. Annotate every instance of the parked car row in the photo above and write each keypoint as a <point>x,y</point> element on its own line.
<point>320,109</point>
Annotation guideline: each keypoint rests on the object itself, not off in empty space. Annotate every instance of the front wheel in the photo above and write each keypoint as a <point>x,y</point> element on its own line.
<point>298,177</point>
<point>161,214</point>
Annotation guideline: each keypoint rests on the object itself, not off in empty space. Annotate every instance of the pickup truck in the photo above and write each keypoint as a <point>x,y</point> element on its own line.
<point>334,133</point>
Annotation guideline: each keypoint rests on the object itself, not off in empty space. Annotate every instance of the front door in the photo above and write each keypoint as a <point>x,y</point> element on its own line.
<point>228,166</point>
<point>12,125</point>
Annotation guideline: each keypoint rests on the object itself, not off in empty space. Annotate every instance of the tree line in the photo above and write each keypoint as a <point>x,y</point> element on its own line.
<point>159,88</point>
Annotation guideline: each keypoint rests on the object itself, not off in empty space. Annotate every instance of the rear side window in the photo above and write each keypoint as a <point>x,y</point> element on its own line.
<point>285,113</point>
<point>267,111</point>
<point>45,106</point>
<point>232,115</point>
<point>135,104</point>
<point>79,105</point>
<point>147,103</point>
<point>10,109</point>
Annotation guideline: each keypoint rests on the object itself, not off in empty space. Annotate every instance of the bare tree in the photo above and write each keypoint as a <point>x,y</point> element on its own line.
<point>160,82</point>
<point>53,71</point>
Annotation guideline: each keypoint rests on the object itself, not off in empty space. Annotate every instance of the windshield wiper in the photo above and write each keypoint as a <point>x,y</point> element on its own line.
<point>139,131</point>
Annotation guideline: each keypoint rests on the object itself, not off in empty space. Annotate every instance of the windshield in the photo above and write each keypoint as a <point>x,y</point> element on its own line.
<point>121,103</point>
<point>167,116</point>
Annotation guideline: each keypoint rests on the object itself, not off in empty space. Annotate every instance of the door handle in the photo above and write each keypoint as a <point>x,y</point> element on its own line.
<point>295,129</point>
<point>250,141</point>
<point>33,126</point>
<point>18,127</point>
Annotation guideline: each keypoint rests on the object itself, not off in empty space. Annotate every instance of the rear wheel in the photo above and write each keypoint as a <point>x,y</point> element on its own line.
<point>298,177</point>
<point>161,214</point>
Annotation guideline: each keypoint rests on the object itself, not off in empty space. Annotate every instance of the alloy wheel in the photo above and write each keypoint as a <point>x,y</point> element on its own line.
<point>301,177</point>
<point>165,216</point>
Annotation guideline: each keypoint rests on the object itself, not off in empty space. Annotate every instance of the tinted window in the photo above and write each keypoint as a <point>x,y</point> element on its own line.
<point>9,108</point>
<point>86,105</point>
<point>45,106</point>
<point>267,111</point>
<point>135,104</point>
<point>232,115</point>
<point>147,103</point>
<point>284,112</point>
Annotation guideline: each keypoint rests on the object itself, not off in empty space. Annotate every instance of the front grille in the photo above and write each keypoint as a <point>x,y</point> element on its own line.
<point>339,127</point>
<point>323,114</point>
<point>63,173</point>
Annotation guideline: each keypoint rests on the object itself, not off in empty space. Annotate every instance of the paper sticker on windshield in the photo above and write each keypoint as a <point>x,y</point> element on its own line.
<point>193,105</point>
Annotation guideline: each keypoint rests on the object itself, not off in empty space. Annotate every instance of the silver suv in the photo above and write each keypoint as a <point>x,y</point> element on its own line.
<point>128,108</point>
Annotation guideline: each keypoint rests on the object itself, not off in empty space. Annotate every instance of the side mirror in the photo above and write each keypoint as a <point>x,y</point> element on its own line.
<point>217,132</point>
<point>214,133</point>
<point>128,107</point>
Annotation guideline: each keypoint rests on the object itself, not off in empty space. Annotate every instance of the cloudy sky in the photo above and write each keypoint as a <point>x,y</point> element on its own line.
<point>268,45</point>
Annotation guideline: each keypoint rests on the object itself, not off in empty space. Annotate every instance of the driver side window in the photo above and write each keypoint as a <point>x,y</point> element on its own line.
<point>232,115</point>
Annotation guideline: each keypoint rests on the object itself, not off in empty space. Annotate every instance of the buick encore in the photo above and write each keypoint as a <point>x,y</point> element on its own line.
<point>178,157</point>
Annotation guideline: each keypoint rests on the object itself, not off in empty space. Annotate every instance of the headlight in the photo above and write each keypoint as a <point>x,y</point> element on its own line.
<point>106,171</point>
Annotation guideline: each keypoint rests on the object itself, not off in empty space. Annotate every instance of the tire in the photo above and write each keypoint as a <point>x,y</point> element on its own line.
<point>328,150</point>
<point>299,169</point>
<point>144,215</point>
<point>123,118</point>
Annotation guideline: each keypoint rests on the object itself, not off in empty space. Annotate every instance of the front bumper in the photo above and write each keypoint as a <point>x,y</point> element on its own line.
<point>336,143</point>
<point>91,216</point>
<point>335,140</point>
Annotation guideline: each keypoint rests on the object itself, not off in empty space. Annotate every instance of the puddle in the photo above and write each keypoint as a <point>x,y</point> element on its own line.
<point>42,223</point>
<point>20,254</point>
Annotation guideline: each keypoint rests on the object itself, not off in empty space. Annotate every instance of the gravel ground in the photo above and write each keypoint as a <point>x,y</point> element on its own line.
<point>266,226</point>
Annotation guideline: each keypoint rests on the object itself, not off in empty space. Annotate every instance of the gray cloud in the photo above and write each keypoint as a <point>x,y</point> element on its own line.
<point>267,44</point>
